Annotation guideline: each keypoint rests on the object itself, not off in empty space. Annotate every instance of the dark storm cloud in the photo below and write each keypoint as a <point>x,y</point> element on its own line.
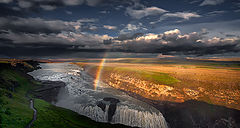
<point>57,27</point>
<point>53,4</point>
<point>34,25</point>
<point>9,11</point>
<point>43,49</point>
<point>173,42</point>
<point>170,42</point>
<point>39,25</point>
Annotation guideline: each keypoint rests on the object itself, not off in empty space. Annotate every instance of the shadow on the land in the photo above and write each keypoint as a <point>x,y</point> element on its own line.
<point>195,114</point>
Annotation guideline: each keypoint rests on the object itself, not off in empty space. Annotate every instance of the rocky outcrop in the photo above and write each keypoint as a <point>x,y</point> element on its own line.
<point>101,105</point>
<point>112,102</point>
<point>49,90</point>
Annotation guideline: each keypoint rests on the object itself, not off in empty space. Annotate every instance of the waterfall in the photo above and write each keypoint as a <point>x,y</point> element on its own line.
<point>124,115</point>
<point>133,117</point>
<point>93,112</point>
<point>81,98</point>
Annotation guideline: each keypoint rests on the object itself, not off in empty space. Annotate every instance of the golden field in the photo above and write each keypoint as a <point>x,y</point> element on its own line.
<point>175,82</point>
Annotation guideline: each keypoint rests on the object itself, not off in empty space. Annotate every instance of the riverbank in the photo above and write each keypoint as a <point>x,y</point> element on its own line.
<point>15,111</point>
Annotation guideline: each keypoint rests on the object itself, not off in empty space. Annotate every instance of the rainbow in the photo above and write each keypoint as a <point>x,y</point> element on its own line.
<point>98,73</point>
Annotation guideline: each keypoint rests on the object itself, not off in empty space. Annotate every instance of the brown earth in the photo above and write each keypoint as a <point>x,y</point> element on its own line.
<point>219,86</point>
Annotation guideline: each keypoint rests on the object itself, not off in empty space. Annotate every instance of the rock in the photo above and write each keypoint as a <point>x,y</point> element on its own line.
<point>111,111</point>
<point>101,105</point>
<point>49,90</point>
<point>111,100</point>
<point>112,106</point>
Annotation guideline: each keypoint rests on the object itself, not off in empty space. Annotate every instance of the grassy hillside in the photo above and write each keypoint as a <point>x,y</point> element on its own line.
<point>55,117</point>
<point>15,111</point>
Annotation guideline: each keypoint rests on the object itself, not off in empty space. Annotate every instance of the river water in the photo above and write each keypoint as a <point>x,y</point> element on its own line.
<point>80,97</point>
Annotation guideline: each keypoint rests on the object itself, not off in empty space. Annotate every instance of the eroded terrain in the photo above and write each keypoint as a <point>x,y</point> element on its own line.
<point>173,82</point>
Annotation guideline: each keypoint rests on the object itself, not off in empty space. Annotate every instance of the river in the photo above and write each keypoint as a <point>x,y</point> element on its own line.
<point>104,104</point>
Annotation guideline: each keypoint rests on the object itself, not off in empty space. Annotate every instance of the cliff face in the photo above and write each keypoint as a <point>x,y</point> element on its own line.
<point>181,108</point>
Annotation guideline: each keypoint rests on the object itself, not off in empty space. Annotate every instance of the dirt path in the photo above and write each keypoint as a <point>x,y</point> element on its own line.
<point>34,114</point>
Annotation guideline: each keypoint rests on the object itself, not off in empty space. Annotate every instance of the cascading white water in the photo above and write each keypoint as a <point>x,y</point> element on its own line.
<point>82,99</point>
<point>123,115</point>
<point>145,119</point>
<point>93,112</point>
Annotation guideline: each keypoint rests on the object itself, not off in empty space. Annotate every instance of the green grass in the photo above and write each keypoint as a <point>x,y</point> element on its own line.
<point>156,77</point>
<point>19,112</point>
<point>208,67</point>
<point>50,116</point>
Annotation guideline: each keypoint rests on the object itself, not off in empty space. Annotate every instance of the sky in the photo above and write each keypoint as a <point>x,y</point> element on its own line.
<point>126,28</point>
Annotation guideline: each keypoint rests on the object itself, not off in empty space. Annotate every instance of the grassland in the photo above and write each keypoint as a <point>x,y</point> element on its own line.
<point>14,105</point>
<point>15,111</point>
<point>173,80</point>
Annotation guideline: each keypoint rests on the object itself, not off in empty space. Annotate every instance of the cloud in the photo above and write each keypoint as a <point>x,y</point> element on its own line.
<point>216,12</point>
<point>132,28</point>
<point>28,44</point>
<point>92,27</point>
<point>149,11</point>
<point>65,38</point>
<point>6,1</point>
<point>53,4</point>
<point>128,36</point>
<point>194,1</point>
<point>172,42</point>
<point>172,32</point>
<point>24,4</point>
<point>39,25</point>
<point>48,7</point>
<point>164,56</point>
<point>211,2</point>
<point>93,2</point>
<point>182,15</point>
<point>104,12</point>
<point>73,2</point>
<point>69,12</point>
<point>109,27</point>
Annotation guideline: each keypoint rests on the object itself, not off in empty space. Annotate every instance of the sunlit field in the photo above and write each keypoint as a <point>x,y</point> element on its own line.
<point>173,80</point>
